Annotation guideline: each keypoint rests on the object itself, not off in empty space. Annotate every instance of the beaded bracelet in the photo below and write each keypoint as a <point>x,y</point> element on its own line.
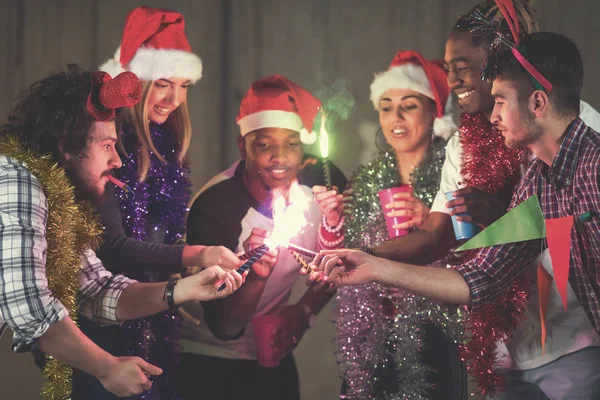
<point>334,229</point>
<point>330,243</point>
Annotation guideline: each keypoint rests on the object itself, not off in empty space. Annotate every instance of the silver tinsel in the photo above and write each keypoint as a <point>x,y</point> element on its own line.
<point>378,325</point>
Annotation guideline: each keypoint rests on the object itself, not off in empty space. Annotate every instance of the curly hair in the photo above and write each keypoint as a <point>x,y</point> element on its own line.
<point>489,9</point>
<point>52,112</point>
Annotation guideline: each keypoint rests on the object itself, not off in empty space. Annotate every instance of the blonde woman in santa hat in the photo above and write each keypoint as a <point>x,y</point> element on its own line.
<point>394,344</point>
<point>145,225</point>
<point>220,358</point>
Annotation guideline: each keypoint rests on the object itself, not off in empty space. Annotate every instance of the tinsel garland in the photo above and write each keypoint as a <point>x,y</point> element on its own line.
<point>160,204</point>
<point>489,165</point>
<point>378,326</point>
<point>71,229</point>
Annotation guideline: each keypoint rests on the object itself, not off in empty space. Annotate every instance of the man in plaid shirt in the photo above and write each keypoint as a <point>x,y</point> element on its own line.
<point>52,118</point>
<point>565,176</point>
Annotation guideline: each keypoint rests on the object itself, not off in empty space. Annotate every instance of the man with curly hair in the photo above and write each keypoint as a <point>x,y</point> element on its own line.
<point>57,152</point>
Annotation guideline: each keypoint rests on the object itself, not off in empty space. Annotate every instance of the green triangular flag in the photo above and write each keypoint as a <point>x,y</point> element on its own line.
<point>524,222</point>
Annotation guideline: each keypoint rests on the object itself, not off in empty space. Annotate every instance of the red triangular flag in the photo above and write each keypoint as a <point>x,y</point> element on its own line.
<point>558,235</point>
<point>544,282</point>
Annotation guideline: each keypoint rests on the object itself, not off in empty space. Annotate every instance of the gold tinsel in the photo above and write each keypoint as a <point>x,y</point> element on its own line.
<point>72,227</point>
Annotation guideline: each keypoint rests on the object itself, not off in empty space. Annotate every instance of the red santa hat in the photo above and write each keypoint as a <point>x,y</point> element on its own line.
<point>154,46</point>
<point>410,70</point>
<point>277,102</point>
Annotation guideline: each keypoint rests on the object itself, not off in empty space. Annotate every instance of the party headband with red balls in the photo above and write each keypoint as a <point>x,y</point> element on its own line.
<point>410,70</point>
<point>482,26</point>
<point>107,94</point>
<point>277,102</point>
<point>154,46</point>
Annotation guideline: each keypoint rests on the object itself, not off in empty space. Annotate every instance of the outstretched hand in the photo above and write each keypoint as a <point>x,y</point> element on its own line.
<point>204,285</point>
<point>345,267</point>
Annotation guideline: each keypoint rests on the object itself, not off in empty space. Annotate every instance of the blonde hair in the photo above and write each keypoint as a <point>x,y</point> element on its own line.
<point>137,117</point>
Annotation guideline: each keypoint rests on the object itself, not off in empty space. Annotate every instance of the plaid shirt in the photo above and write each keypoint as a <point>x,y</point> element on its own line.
<point>570,187</point>
<point>26,304</point>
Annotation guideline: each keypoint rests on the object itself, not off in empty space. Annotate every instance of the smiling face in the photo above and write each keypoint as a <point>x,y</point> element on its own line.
<point>464,62</point>
<point>406,118</point>
<point>166,96</point>
<point>273,156</point>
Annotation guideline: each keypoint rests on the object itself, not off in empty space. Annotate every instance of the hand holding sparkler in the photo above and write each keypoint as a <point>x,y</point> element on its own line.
<point>258,239</point>
<point>330,204</point>
<point>258,257</point>
<point>201,287</point>
<point>337,268</point>
<point>215,255</point>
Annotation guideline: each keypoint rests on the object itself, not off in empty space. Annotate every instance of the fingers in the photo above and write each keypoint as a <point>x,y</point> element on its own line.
<point>456,202</point>
<point>238,279</point>
<point>407,196</point>
<point>270,257</point>
<point>284,343</point>
<point>331,202</point>
<point>146,367</point>
<point>407,225</point>
<point>471,209</point>
<point>401,213</point>
<point>467,191</point>
<point>329,262</point>
<point>341,253</point>
<point>329,266</point>
<point>319,189</point>
<point>219,273</point>
<point>328,194</point>
<point>229,259</point>
<point>464,218</point>
<point>401,204</point>
<point>256,238</point>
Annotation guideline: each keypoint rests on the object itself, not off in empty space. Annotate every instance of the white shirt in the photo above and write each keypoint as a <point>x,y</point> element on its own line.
<point>198,339</point>
<point>566,330</point>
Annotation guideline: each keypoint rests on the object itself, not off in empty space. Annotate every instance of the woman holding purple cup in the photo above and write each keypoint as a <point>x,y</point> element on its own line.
<point>391,343</point>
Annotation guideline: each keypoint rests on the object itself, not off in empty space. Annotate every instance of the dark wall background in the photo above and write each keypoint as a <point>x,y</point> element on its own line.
<point>310,41</point>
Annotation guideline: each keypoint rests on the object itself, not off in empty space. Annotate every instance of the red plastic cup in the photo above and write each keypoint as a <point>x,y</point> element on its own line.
<point>386,196</point>
<point>264,326</point>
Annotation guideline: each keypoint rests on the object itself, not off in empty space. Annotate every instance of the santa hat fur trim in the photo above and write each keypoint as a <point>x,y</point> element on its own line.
<point>151,64</point>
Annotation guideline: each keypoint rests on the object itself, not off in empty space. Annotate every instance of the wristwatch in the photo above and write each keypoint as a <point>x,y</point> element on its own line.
<point>312,318</point>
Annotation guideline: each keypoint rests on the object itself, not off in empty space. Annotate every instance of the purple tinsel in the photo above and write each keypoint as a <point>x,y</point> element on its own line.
<point>159,205</point>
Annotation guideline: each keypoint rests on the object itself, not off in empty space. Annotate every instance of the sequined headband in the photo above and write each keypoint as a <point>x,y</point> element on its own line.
<point>107,94</point>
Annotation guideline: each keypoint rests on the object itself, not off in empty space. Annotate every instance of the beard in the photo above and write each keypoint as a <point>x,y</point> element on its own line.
<point>530,132</point>
<point>86,187</point>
